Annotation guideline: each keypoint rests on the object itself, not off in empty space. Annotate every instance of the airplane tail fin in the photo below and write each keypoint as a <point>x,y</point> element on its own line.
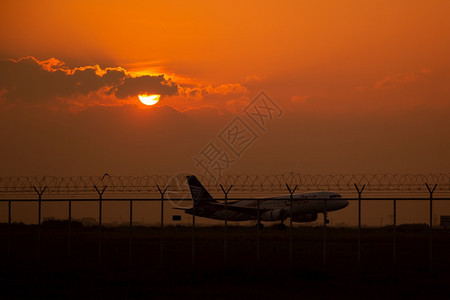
<point>199,194</point>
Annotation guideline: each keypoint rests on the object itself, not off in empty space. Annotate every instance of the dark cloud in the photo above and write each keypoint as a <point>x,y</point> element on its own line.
<point>33,81</point>
<point>146,84</point>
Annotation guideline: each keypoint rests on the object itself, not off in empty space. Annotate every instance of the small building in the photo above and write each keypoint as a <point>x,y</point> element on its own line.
<point>89,221</point>
<point>445,221</point>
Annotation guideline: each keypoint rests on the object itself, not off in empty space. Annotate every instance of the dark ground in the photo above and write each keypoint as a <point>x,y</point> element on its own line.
<point>82,277</point>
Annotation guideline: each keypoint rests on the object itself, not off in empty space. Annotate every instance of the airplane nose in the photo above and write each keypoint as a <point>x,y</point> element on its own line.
<point>336,204</point>
<point>344,203</point>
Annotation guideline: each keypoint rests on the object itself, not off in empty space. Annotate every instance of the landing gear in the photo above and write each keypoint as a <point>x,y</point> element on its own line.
<point>259,225</point>
<point>280,226</point>
<point>325,218</point>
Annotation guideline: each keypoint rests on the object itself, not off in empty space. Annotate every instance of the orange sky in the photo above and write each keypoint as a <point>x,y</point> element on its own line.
<point>364,86</point>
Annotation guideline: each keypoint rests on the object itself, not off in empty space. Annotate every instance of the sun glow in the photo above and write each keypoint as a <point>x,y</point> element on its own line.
<point>149,99</point>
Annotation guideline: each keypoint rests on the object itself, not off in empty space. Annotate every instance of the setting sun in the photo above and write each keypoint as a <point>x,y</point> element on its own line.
<point>149,99</point>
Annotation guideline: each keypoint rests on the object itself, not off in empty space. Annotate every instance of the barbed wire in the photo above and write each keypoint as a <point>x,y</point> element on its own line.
<point>241,183</point>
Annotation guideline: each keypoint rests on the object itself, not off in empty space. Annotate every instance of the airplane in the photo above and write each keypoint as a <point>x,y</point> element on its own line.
<point>305,206</point>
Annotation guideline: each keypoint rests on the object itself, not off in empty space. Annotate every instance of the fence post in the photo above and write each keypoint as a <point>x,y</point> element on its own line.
<point>325,221</point>
<point>100,197</point>
<point>291,197</point>
<point>69,236</point>
<point>359,224</point>
<point>431,191</point>
<point>225,192</point>
<point>39,224</point>
<point>258,224</point>
<point>193,232</point>
<point>9,229</point>
<point>131,233</point>
<point>394,250</point>
<point>162,223</point>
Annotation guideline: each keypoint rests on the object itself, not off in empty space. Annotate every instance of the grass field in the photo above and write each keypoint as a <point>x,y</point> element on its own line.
<point>82,276</point>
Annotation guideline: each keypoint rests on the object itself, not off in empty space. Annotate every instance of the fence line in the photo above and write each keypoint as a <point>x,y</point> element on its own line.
<point>241,183</point>
<point>219,199</point>
<point>360,199</point>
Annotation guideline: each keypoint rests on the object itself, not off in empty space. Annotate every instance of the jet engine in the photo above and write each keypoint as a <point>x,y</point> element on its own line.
<point>304,218</point>
<point>273,215</point>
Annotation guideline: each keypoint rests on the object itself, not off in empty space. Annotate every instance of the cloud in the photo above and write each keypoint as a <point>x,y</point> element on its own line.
<point>396,80</point>
<point>33,81</point>
<point>193,96</point>
<point>199,91</point>
<point>53,84</point>
<point>230,88</point>
<point>237,106</point>
<point>132,86</point>
<point>251,79</point>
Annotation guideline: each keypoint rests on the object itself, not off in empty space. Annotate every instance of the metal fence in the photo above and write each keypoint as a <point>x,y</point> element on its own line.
<point>77,185</point>
<point>392,188</point>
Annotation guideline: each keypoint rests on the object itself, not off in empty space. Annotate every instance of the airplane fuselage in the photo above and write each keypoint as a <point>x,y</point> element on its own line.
<point>305,207</point>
